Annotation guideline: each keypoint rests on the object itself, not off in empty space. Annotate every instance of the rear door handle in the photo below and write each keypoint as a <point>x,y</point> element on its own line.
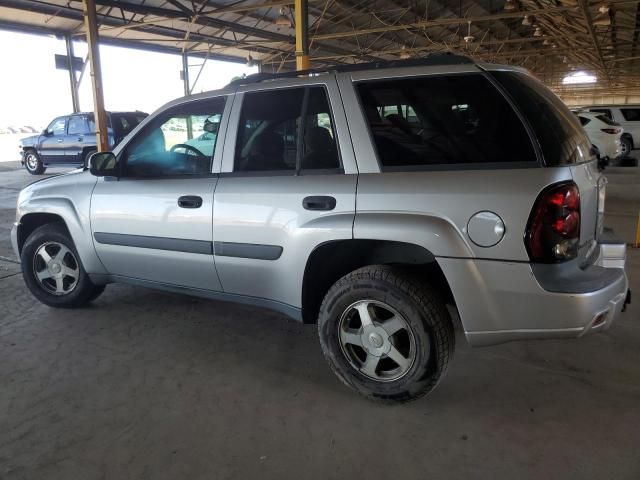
<point>319,202</point>
<point>190,201</point>
<point>59,140</point>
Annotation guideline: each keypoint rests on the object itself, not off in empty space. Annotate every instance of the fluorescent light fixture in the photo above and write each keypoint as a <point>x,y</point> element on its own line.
<point>578,78</point>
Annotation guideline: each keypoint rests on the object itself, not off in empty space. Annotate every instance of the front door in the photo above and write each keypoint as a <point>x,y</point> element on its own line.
<point>52,146</point>
<point>155,222</point>
<point>288,185</point>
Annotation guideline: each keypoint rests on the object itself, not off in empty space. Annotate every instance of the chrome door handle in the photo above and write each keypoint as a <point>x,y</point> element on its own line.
<point>59,140</point>
<point>190,201</point>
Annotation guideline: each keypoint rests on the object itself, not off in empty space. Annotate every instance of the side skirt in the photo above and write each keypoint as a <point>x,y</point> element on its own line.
<point>288,310</point>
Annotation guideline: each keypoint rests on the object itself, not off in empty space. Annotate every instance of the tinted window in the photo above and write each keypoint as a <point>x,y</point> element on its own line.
<point>459,119</point>
<point>631,114</point>
<point>584,120</point>
<point>180,141</point>
<point>76,125</point>
<point>123,123</point>
<point>57,127</point>
<point>558,131</point>
<point>286,130</point>
<point>604,111</point>
<point>607,120</point>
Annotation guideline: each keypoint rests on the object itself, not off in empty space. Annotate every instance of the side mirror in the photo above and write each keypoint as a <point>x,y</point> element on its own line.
<point>103,164</point>
<point>46,132</point>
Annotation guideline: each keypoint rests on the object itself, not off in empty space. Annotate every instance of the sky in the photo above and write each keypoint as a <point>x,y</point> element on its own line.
<point>33,92</point>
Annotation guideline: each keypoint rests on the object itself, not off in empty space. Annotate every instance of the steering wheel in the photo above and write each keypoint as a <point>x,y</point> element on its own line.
<point>187,147</point>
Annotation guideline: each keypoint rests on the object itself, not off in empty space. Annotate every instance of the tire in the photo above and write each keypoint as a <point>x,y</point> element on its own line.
<point>385,294</point>
<point>625,148</point>
<point>33,163</point>
<point>64,282</point>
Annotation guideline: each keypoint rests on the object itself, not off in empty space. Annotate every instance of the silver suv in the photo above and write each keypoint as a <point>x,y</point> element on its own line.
<point>383,202</point>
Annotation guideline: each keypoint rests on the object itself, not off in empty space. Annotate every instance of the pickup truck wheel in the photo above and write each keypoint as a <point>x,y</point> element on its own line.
<point>52,269</point>
<point>33,164</point>
<point>386,334</point>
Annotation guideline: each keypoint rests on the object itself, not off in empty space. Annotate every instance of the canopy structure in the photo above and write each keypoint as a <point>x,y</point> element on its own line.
<point>552,38</point>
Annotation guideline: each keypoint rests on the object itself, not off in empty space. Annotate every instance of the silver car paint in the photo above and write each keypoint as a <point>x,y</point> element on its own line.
<point>429,208</point>
<point>267,209</point>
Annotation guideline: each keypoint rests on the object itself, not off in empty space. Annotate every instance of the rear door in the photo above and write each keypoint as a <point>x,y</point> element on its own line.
<point>288,184</point>
<point>76,138</point>
<point>52,146</point>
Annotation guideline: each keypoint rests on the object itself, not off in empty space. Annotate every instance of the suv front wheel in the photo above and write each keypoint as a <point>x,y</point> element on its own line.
<point>33,163</point>
<point>386,334</point>
<point>52,269</point>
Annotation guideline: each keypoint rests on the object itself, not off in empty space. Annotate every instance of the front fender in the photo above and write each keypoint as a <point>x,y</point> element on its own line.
<point>68,197</point>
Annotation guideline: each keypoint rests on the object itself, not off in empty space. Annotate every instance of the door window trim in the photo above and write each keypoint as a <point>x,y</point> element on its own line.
<point>150,122</point>
<point>241,97</point>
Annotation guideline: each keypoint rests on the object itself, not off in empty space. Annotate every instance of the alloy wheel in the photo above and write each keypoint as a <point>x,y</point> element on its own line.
<point>56,268</point>
<point>377,341</point>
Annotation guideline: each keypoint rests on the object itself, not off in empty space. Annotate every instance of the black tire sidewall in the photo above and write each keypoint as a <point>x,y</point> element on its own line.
<point>425,371</point>
<point>627,144</point>
<point>83,290</point>
<point>39,167</point>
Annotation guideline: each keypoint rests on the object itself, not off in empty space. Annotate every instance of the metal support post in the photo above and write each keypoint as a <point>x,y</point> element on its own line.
<point>91,26</point>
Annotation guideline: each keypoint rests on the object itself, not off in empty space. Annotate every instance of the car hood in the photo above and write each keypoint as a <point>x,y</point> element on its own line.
<point>29,141</point>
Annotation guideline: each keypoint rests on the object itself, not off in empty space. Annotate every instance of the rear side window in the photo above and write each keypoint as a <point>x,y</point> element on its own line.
<point>443,120</point>
<point>607,120</point>
<point>558,131</point>
<point>604,111</point>
<point>286,130</point>
<point>631,114</point>
<point>584,120</point>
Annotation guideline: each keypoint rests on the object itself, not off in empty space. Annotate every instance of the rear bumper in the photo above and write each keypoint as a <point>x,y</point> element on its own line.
<point>504,301</point>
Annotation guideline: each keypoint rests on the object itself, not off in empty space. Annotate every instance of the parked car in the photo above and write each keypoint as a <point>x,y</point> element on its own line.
<point>70,140</point>
<point>604,133</point>
<point>383,202</point>
<point>628,117</point>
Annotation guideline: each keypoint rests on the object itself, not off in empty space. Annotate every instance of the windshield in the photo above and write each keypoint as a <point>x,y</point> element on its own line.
<point>559,133</point>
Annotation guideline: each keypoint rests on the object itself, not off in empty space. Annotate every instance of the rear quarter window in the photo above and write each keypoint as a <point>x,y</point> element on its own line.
<point>443,120</point>
<point>558,131</point>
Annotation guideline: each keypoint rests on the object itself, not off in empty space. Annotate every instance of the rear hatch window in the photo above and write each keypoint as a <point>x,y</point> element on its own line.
<point>558,131</point>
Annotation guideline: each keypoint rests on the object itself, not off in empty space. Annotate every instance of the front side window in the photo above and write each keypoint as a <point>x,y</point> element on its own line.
<point>181,141</point>
<point>286,130</point>
<point>76,125</point>
<point>57,127</point>
<point>631,114</point>
<point>458,119</point>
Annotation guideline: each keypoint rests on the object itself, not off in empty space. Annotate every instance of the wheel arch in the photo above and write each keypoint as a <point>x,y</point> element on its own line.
<point>49,209</point>
<point>332,260</point>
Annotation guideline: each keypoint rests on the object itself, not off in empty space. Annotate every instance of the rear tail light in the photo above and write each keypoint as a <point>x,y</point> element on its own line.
<point>553,231</point>
<point>612,131</point>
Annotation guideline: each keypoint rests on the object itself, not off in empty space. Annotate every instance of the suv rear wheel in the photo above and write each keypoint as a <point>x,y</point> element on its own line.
<point>33,163</point>
<point>385,334</point>
<point>52,269</point>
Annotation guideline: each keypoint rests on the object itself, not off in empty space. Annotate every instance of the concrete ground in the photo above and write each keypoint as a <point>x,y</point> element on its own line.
<point>159,386</point>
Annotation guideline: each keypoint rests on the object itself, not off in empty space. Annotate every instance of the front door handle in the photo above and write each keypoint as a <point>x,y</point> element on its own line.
<point>319,202</point>
<point>190,201</point>
<point>59,140</point>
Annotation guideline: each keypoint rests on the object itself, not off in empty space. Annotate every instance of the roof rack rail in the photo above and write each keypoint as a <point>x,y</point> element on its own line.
<point>430,60</point>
